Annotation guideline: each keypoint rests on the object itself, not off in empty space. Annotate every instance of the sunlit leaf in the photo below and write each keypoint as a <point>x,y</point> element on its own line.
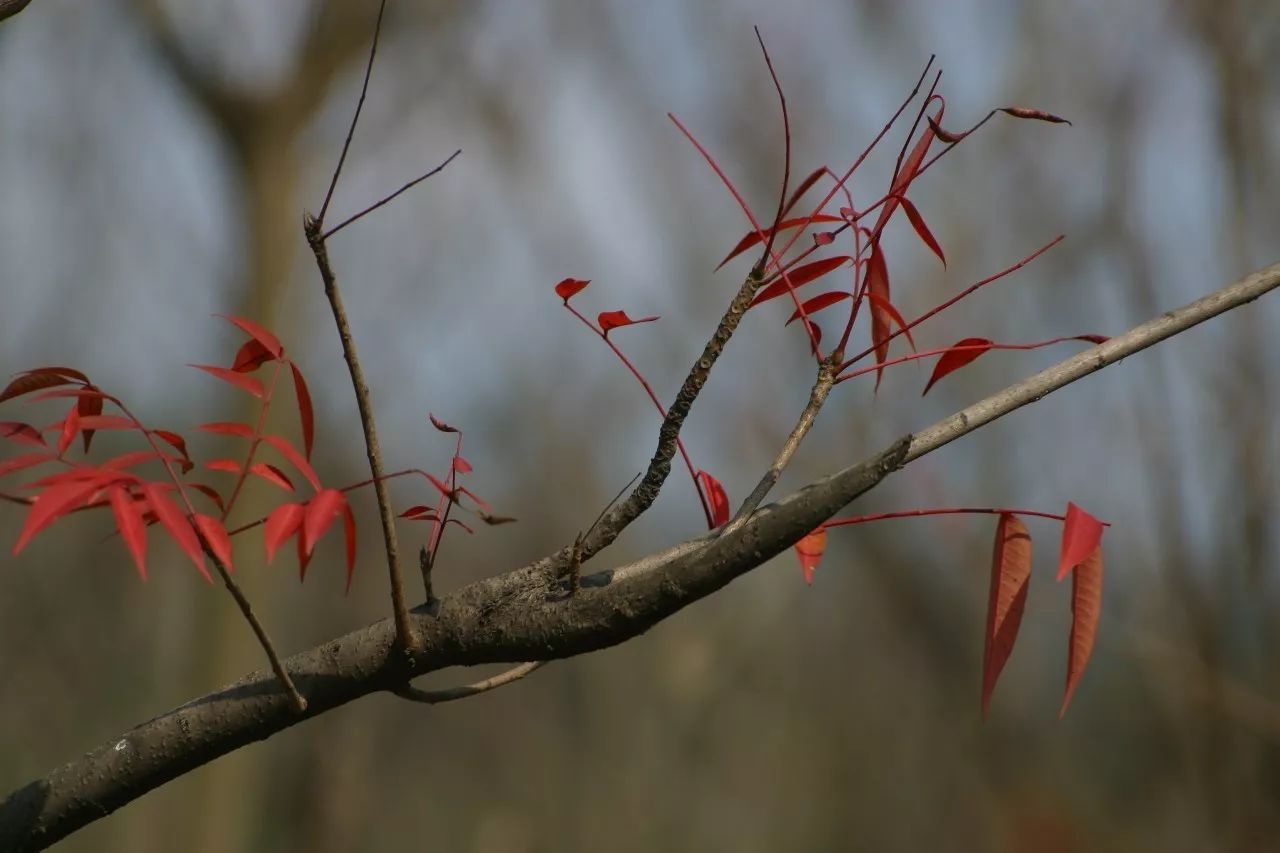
<point>272,475</point>
<point>1006,600</point>
<point>320,515</point>
<point>306,412</point>
<point>282,522</point>
<point>131,526</point>
<point>178,525</point>
<point>717,498</point>
<point>295,458</point>
<point>53,503</point>
<point>240,380</point>
<point>1086,612</point>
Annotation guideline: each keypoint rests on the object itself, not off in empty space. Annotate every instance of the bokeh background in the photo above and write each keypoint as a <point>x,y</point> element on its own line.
<point>155,160</point>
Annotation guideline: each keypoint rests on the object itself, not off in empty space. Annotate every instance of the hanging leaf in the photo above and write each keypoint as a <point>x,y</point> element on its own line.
<point>481,502</point>
<point>32,381</point>
<point>55,502</point>
<point>21,433</point>
<point>231,466</point>
<point>244,383</point>
<point>753,239</point>
<point>717,497</point>
<point>1086,611</point>
<point>178,525</point>
<point>215,534</point>
<point>320,515</point>
<point>956,357</point>
<point>877,290</point>
<point>922,230</point>
<point>175,441</point>
<point>440,486</point>
<point>88,407</point>
<point>306,412</point>
<point>282,523</point>
<point>295,458</point>
<point>258,333</point>
<point>441,425</point>
<point>272,475</point>
<point>250,357</point>
<point>1006,600</point>
<point>824,238</point>
<point>944,135</point>
<point>1081,536</point>
<point>799,277</point>
<point>810,550</point>
<point>419,512</point>
<point>131,526</point>
<point>1038,115</point>
<point>461,465</point>
<point>893,314</point>
<point>610,320</point>
<point>819,302</point>
<point>349,534</point>
<point>570,286</point>
<point>70,427</point>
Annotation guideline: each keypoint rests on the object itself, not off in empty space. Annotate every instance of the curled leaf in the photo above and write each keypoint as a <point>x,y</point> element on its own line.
<point>461,465</point>
<point>717,497</point>
<point>269,341</point>
<point>251,355</point>
<point>944,135</point>
<point>244,383</point>
<point>610,320</point>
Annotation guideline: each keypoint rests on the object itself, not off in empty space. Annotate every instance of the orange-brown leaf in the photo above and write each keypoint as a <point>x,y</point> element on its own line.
<point>810,550</point>
<point>1006,600</point>
<point>1086,611</point>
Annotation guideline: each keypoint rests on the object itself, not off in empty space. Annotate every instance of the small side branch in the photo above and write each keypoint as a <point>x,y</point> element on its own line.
<point>449,694</point>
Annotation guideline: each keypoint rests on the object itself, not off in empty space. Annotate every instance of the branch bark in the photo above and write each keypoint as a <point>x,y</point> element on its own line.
<point>524,615</point>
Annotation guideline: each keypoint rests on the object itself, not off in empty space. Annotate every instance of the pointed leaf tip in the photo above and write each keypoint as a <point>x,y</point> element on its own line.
<point>268,340</point>
<point>1006,600</point>
<point>1081,536</point>
<point>810,550</point>
<point>717,497</point>
<point>1086,612</point>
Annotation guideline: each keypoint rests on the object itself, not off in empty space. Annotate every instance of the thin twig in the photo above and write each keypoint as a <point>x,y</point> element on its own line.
<point>355,118</point>
<point>449,694</point>
<point>386,199</point>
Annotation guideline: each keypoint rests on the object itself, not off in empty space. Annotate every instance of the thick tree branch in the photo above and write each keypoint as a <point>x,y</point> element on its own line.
<point>523,615</point>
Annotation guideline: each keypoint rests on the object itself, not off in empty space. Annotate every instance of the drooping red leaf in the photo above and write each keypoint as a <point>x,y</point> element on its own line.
<point>66,393</point>
<point>215,534</point>
<point>461,465</point>
<point>272,475</point>
<point>610,320</point>
<point>877,282</point>
<point>918,223</point>
<point>65,372</point>
<point>178,525</point>
<point>799,277</point>
<point>480,502</point>
<point>231,466</point>
<point>70,427</point>
<point>1006,600</point>
<point>241,381</point>
<point>175,441</point>
<point>1086,612</point>
<point>282,522</point>
<point>227,428</point>
<point>28,382</point>
<point>956,357</point>
<point>306,412</point>
<point>567,288</point>
<point>893,314</point>
<point>209,492</point>
<point>907,173</point>
<point>26,460</point>
<point>753,239</point>
<point>810,550</point>
<point>819,302</point>
<point>349,533</point>
<point>53,503</point>
<point>131,526</point>
<point>88,407</point>
<point>717,497</point>
<point>944,135</point>
<point>258,333</point>
<point>250,357</point>
<point>441,425</point>
<point>21,433</point>
<point>97,422</point>
<point>321,512</point>
<point>440,485</point>
<point>1081,536</point>
<point>1038,115</point>
<point>295,458</point>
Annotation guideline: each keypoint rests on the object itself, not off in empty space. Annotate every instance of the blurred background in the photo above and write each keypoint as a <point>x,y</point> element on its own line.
<point>156,157</point>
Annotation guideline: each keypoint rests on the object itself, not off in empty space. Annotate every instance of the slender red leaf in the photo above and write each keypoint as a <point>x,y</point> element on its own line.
<point>753,239</point>
<point>954,359</point>
<point>1038,115</point>
<point>877,289</point>
<point>1081,536</point>
<point>810,550</point>
<point>175,441</point>
<point>441,425</point>
<point>53,503</point>
<point>717,497</point>
<point>461,524</point>
<point>570,286</point>
<point>282,523</point>
<point>227,428</point>
<point>349,534</point>
<point>87,407</point>
<point>893,314</point>
<point>321,512</point>
<point>306,412</point>
<point>461,465</point>
<point>26,460</point>
<point>21,433</point>
<point>209,492</point>
<point>215,534</point>
<point>481,502</point>
<point>258,333</point>
<point>799,277</point>
<point>178,525</point>
<point>272,475</point>
<point>131,526</point>
<point>231,466</point>
<point>70,427</point>
<point>28,382</point>
<point>244,383</point>
<point>1086,612</point>
<point>250,357</point>
<point>819,302</point>
<point>419,512</point>
<point>440,486</point>
<point>97,422</point>
<point>1006,600</point>
<point>918,223</point>
<point>610,320</point>
<point>804,187</point>
<point>295,458</point>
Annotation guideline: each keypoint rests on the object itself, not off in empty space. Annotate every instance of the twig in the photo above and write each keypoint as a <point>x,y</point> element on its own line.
<point>386,199</point>
<point>449,694</point>
<point>821,388</point>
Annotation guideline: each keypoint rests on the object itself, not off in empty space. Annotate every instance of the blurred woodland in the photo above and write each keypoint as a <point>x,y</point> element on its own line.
<point>156,157</point>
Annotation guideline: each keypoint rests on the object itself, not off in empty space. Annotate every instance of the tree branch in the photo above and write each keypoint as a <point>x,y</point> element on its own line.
<point>523,615</point>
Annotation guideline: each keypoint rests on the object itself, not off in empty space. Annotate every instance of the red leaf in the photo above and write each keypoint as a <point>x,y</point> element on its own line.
<point>441,425</point>
<point>321,512</point>
<point>131,526</point>
<point>250,357</point>
<point>909,169</point>
<point>481,502</point>
<point>918,223</point>
<point>1006,601</point>
<point>215,534</point>
<point>817,303</point>
<point>610,320</point>
<point>97,422</point>
<point>824,238</point>
<point>877,289</point>
<point>295,458</point>
<point>717,497</point>
<point>810,550</point>
<point>273,475</point>
<point>1086,611</point>
<point>798,277</point>
<point>231,466</point>
<point>227,428</point>
<point>419,512</point>
<point>1081,536</point>
<point>88,407</point>
<point>804,187</point>
<point>32,381</point>
<point>258,333</point>
<point>282,523</point>
<point>954,359</point>
<point>893,314</point>
<point>306,412</point>
<point>70,427</point>
<point>567,288</point>
<point>244,383</point>
<point>349,533</point>
<point>753,239</point>
<point>21,433</point>
<point>65,372</point>
<point>945,135</point>
<point>53,503</point>
<point>26,460</point>
<point>209,492</point>
<point>1038,115</point>
<point>175,441</point>
<point>177,523</point>
<point>461,465</point>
